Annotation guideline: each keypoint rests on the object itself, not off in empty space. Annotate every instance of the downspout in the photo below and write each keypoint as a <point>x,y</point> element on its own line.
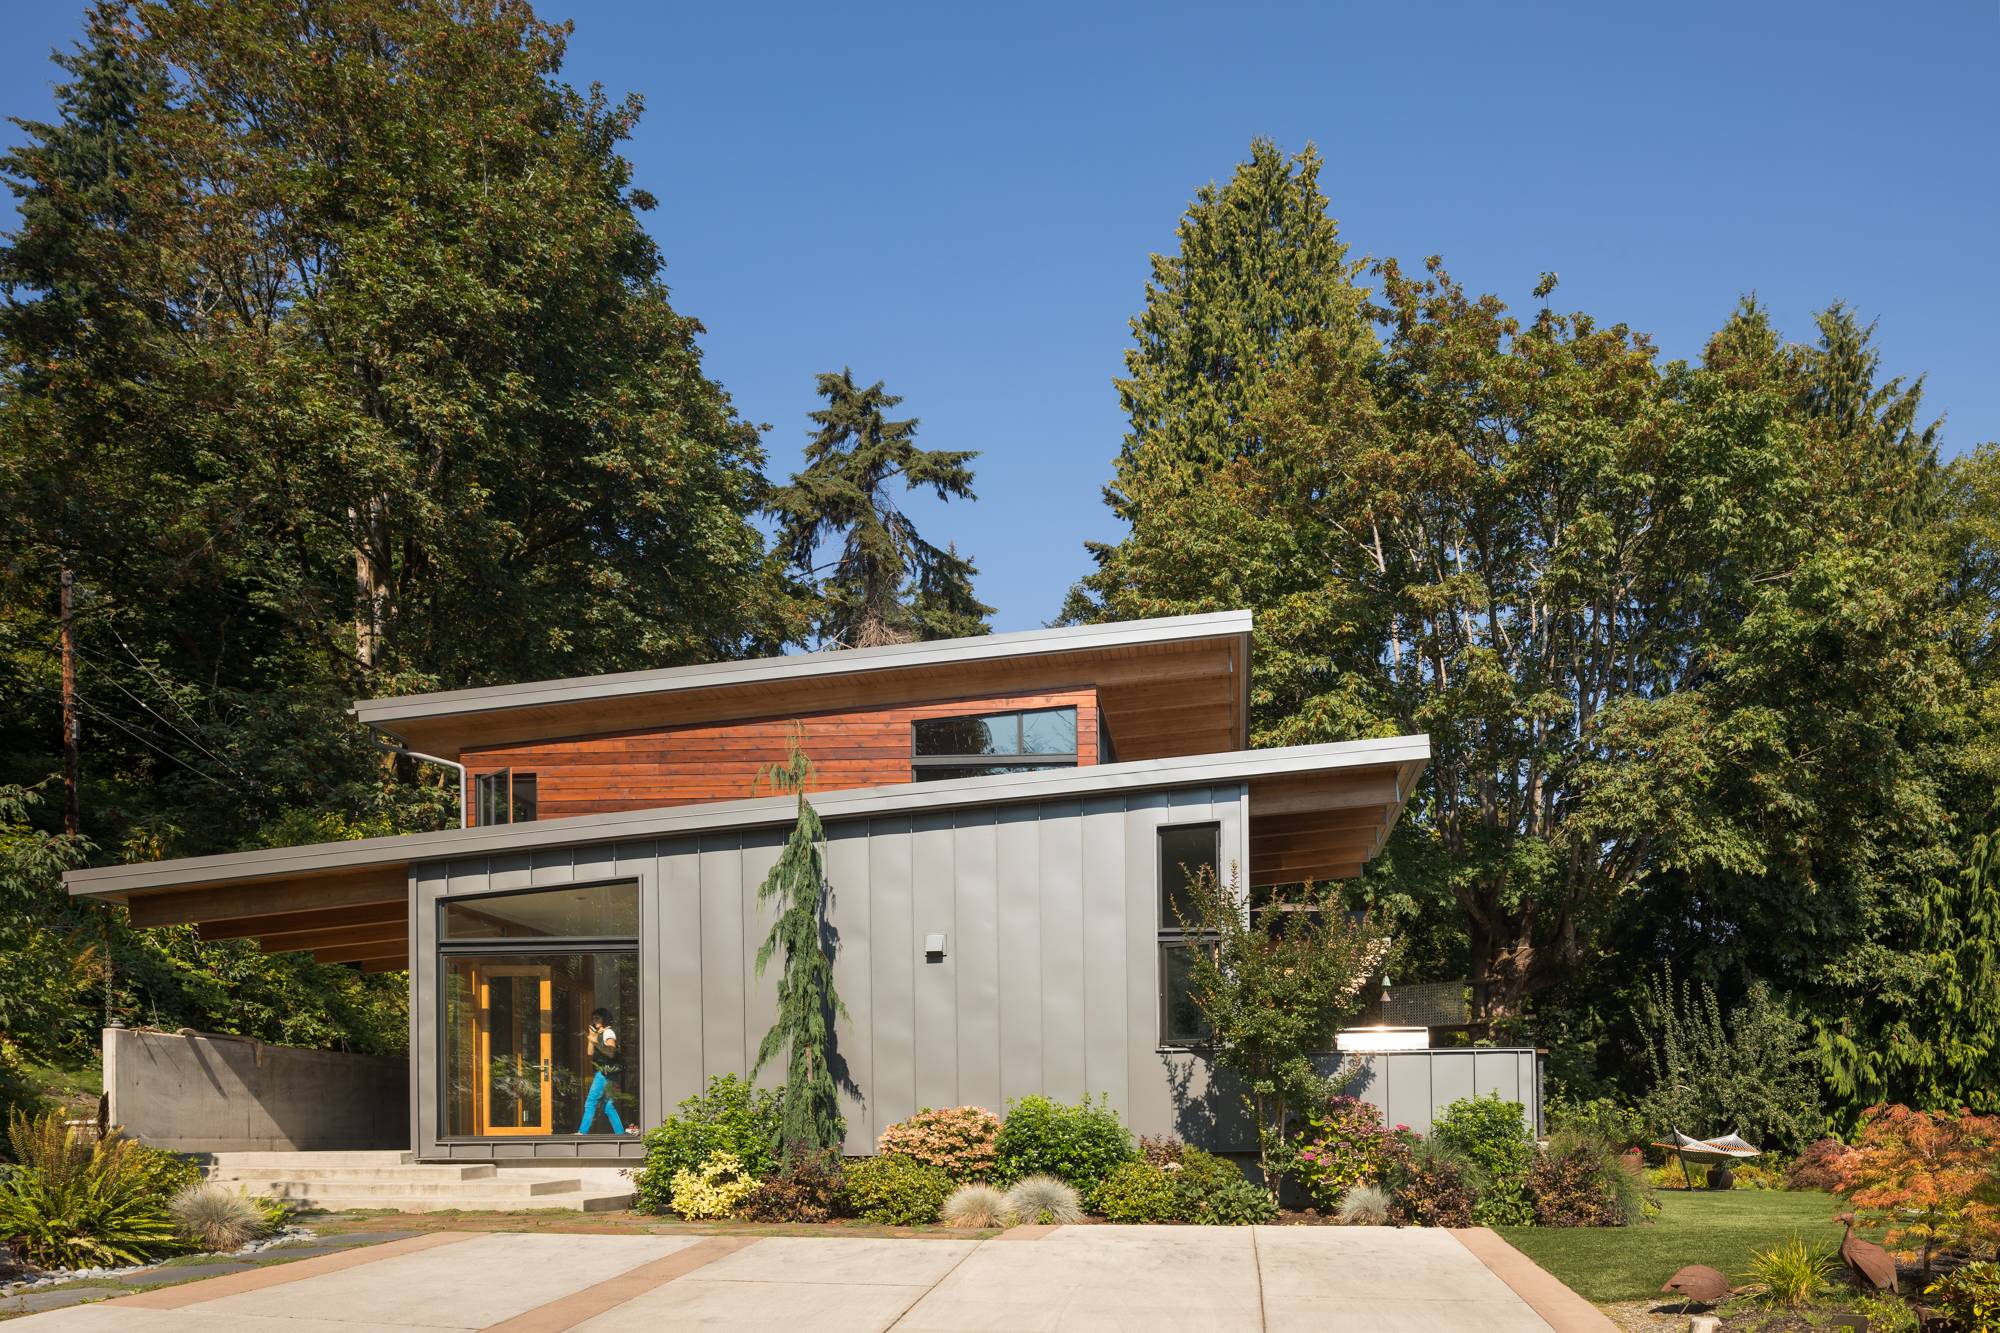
<point>390,742</point>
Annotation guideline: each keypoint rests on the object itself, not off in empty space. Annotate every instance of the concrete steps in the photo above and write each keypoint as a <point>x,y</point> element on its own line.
<point>336,1181</point>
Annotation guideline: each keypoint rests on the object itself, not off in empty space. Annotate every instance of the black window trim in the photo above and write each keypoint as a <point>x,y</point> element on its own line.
<point>1170,934</point>
<point>612,944</point>
<point>484,787</point>
<point>1018,759</point>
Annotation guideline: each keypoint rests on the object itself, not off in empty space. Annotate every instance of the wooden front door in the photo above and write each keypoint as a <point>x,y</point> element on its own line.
<point>514,1035</point>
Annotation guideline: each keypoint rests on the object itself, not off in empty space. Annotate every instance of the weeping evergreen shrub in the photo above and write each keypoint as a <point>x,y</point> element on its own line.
<point>809,1113</point>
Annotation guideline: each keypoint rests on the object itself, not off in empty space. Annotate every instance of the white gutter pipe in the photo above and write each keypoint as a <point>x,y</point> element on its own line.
<point>382,740</point>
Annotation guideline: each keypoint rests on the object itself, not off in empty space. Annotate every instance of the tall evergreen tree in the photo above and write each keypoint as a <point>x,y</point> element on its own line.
<point>810,1118</point>
<point>887,584</point>
<point>1259,261</point>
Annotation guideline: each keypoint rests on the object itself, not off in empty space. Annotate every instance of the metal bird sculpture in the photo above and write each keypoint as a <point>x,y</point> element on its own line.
<point>1698,1284</point>
<point>1871,1263</point>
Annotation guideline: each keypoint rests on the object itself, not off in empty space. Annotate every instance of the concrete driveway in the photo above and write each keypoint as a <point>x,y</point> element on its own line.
<point>1153,1279</point>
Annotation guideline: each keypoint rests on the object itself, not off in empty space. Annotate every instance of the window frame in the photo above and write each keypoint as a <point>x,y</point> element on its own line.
<point>444,949</point>
<point>496,789</point>
<point>1170,934</point>
<point>1018,759</point>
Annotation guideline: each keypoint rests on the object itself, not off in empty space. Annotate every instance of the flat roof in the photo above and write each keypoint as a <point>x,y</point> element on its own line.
<point>1404,755</point>
<point>386,713</point>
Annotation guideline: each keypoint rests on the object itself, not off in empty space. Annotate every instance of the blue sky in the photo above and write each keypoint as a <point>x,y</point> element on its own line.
<point>961,200</point>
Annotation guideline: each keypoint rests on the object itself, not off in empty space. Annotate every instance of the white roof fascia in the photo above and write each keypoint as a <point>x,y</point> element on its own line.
<point>711,816</point>
<point>801,666</point>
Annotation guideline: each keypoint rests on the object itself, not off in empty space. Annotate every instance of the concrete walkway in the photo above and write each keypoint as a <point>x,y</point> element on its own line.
<point>1155,1279</point>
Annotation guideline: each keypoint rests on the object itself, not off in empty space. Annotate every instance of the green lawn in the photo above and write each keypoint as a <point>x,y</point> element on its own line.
<point>1720,1230</point>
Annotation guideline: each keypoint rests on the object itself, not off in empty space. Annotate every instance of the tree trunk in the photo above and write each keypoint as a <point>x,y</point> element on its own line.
<point>371,582</point>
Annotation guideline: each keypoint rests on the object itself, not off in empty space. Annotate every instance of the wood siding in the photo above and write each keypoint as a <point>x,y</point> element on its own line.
<point>720,761</point>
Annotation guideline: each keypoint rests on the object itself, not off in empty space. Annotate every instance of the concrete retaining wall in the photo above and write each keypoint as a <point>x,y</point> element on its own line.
<point>197,1092</point>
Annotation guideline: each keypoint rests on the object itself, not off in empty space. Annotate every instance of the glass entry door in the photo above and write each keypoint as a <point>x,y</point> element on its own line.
<point>513,1032</point>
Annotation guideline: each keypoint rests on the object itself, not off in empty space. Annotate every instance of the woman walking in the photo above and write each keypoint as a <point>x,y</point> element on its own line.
<point>603,1039</point>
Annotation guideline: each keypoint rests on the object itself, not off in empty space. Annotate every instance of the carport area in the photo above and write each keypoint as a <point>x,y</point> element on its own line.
<point>1056,1278</point>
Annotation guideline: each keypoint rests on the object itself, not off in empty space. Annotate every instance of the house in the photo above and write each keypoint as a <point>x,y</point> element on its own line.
<point>1009,819</point>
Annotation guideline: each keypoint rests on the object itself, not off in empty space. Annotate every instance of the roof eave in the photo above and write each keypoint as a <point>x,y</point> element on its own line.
<point>1406,753</point>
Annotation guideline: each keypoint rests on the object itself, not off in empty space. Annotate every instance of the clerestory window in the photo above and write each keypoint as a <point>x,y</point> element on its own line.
<point>976,745</point>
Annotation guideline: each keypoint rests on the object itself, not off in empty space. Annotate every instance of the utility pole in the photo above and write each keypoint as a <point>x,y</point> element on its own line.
<point>72,819</point>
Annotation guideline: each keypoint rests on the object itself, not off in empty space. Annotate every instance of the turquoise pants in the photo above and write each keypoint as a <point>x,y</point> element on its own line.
<point>599,1093</point>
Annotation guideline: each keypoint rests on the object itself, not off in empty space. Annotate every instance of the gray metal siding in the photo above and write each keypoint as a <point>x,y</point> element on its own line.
<point>1414,1087</point>
<point>1049,981</point>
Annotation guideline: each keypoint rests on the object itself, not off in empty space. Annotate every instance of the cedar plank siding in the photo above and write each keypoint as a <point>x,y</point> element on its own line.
<point>720,761</point>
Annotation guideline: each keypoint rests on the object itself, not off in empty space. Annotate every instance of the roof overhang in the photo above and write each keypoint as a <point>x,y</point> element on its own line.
<point>1175,685</point>
<point>1316,812</point>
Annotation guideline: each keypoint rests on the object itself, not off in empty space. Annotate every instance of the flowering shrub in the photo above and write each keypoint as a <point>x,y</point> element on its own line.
<point>959,1141</point>
<point>1345,1145</point>
<point>1927,1176</point>
<point>714,1189</point>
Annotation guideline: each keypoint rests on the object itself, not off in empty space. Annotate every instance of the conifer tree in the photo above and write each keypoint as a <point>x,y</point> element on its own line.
<point>810,1118</point>
<point>887,584</point>
<point>1259,261</point>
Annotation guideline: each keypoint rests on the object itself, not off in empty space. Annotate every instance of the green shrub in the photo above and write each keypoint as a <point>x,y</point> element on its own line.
<point>732,1116</point>
<point>19,1089</point>
<point>1617,1124</point>
<point>712,1189</point>
<point>959,1141</point>
<point>77,1203</point>
<point>1490,1137</point>
<point>1791,1273</point>
<point>1214,1191</point>
<point>1892,1314</point>
<point>1431,1188</point>
<point>1968,1300</point>
<point>1346,1144</point>
<point>897,1191</point>
<point>1137,1192</point>
<point>1079,1144</point>
<point>1238,1203</point>
<point>810,1187</point>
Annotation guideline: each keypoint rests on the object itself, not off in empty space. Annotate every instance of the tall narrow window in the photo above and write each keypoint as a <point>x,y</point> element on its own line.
<point>504,797</point>
<point>976,745</point>
<point>1186,850</point>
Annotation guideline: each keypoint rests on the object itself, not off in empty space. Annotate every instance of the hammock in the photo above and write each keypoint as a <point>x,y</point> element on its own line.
<point>1707,1152</point>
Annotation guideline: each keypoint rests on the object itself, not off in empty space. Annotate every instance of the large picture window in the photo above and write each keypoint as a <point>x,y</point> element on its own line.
<point>541,1016</point>
<point>1185,851</point>
<point>978,744</point>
